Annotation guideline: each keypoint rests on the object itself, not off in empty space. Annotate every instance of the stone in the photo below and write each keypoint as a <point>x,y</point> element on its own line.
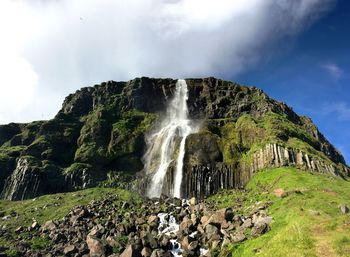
<point>212,232</point>
<point>149,240</point>
<point>164,241</point>
<point>193,246</point>
<point>247,223</point>
<point>96,246</point>
<point>152,218</point>
<point>314,213</point>
<point>186,224</point>
<point>35,225</point>
<point>229,214</point>
<point>343,209</point>
<point>238,237</point>
<point>279,192</point>
<point>160,253</point>
<point>193,201</point>
<point>146,252</point>
<point>48,226</point>
<point>125,205</point>
<point>19,230</point>
<point>261,226</point>
<point>97,231</point>
<point>131,251</point>
<point>69,250</point>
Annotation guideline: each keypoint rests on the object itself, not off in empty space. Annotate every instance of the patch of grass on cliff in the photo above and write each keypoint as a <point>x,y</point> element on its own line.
<point>307,222</point>
<point>53,207</point>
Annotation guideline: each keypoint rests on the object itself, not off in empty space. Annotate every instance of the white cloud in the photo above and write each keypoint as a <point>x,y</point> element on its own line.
<point>58,46</point>
<point>334,70</point>
<point>340,109</point>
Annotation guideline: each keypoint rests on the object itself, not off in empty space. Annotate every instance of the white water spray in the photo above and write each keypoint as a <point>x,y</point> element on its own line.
<point>162,143</point>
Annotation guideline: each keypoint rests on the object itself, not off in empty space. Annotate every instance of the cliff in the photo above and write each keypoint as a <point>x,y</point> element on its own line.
<point>99,135</point>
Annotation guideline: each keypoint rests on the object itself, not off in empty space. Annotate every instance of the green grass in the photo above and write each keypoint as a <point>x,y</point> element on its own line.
<point>295,230</point>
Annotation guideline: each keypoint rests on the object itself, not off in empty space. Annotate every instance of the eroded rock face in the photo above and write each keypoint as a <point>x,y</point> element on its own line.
<point>29,179</point>
<point>101,131</point>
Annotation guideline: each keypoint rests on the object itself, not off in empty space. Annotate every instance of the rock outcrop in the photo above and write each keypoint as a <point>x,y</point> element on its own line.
<point>102,130</point>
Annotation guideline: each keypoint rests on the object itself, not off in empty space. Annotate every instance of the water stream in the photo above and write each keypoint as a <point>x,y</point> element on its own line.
<point>163,143</point>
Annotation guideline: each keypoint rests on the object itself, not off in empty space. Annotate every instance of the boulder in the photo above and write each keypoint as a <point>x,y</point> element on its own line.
<point>146,252</point>
<point>48,226</point>
<point>69,250</point>
<point>131,251</point>
<point>229,214</point>
<point>238,237</point>
<point>212,232</point>
<point>96,246</point>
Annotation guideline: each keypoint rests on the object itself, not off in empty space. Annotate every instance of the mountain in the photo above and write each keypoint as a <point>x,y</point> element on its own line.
<point>99,137</point>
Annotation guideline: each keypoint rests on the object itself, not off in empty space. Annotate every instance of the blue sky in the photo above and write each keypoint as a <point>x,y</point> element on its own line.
<point>312,75</point>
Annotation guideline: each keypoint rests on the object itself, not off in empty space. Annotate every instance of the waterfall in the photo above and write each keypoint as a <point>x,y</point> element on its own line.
<point>162,144</point>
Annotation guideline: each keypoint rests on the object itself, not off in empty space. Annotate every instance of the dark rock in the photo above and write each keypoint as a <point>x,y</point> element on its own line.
<point>131,251</point>
<point>229,214</point>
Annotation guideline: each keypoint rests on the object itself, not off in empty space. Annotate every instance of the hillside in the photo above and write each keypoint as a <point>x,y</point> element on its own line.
<point>305,209</point>
<point>100,137</point>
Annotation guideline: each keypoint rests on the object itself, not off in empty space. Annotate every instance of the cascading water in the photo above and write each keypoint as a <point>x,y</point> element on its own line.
<point>162,143</point>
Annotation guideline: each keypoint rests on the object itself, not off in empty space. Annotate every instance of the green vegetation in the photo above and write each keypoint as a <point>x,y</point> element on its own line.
<point>243,137</point>
<point>307,221</point>
<point>127,131</point>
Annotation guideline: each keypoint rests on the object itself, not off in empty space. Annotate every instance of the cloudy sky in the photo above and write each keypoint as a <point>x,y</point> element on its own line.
<point>296,50</point>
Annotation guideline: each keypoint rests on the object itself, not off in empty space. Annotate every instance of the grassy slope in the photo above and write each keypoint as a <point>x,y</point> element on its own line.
<point>296,230</point>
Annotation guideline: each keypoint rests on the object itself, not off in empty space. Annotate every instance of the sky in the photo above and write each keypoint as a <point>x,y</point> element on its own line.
<point>297,51</point>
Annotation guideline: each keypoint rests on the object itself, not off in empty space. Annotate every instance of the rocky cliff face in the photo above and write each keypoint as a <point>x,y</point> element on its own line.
<point>100,131</point>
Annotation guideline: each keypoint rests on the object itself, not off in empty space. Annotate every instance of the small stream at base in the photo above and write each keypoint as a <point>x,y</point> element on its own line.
<point>168,226</point>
